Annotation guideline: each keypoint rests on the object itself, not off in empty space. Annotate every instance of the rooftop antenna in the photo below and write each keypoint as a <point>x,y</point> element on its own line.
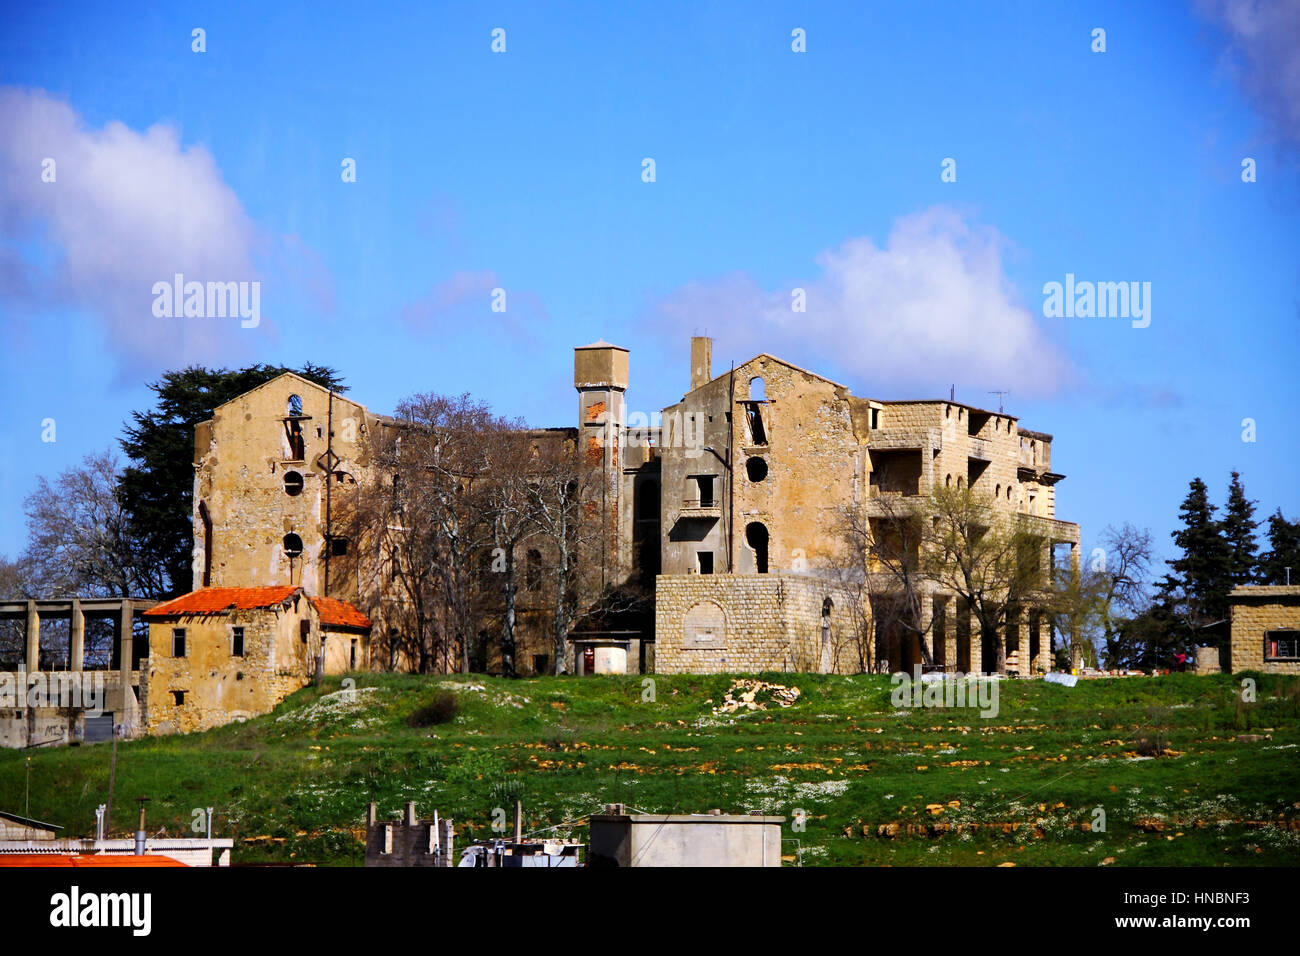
<point>1000,393</point>
<point>952,392</point>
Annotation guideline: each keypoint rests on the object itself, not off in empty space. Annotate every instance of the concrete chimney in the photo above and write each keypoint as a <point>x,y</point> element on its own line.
<point>701,360</point>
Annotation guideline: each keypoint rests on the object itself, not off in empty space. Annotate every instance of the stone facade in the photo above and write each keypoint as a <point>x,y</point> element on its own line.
<point>745,478</point>
<point>748,623</point>
<point>208,668</point>
<point>759,465</point>
<point>1266,629</point>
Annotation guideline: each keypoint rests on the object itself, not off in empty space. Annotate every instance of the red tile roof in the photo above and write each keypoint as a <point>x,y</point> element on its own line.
<point>336,613</point>
<point>333,612</point>
<point>217,600</point>
<point>85,859</point>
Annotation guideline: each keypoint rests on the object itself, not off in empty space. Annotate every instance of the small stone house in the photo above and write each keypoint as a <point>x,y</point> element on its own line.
<point>1265,629</point>
<point>222,654</point>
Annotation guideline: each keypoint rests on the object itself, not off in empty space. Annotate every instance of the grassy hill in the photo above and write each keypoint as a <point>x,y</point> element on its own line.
<point>1162,757</point>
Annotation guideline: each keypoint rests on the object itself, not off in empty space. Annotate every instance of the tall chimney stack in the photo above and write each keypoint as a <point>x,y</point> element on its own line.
<point>701,360</point>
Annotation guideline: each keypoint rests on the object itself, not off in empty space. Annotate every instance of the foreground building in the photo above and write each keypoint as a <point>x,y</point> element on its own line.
<point>1265,632</point>
<point>223,654</point>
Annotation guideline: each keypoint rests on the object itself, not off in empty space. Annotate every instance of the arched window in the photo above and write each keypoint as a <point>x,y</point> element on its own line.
<point>757,538</point>
<point>757,390</point>
<point>292,484</point>
<point>947,481</point>
<point>295,406</point>
<point>292,545</point>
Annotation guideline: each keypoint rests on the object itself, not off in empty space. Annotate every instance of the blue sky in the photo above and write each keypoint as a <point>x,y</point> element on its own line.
<point>774,170</point>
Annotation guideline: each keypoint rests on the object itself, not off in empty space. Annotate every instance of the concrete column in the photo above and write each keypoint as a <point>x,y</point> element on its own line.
<point>33,638</point>
<point>126,641</point>
<point>950,633</point>
<point>77,631</point>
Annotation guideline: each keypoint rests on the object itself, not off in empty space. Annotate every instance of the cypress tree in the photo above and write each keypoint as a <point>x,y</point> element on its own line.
<point>1239,526</point>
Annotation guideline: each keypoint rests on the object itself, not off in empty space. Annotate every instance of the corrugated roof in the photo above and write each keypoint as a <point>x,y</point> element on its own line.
<point>336,613</point>
<point>217,600</point>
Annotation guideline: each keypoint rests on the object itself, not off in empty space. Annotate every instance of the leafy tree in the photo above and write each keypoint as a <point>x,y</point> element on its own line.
<point>1283,551</point>
<point>1239,526</point>
<point>157,488</point>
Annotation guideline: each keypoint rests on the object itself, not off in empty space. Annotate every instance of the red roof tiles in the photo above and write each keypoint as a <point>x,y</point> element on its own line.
<point>336,613</point>
<point>333,612</point>
<point>216,600</point>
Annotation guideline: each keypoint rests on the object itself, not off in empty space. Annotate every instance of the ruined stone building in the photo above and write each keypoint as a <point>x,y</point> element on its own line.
<point>221,654</point>
<point>726,507</point>
<point>755,467</point>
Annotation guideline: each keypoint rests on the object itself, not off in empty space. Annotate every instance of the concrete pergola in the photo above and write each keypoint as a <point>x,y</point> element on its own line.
<point>75,610</point>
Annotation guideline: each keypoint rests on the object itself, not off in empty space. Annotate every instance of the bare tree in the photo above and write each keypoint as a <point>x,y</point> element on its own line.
<point>1112,591</point>
<point>78,537</point>
<point>563,485</point>
<point>887,536</point>
<point>991,560</point>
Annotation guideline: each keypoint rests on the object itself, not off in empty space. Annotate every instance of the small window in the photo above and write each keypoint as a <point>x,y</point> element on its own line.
<point>757,390</point>
<point>339,547</point>
<point>352,655</point>
<point>875,418</point>
<point>756,469</point>
<point>292,545</point>
<point>236,642</point>
<point>295,406</point>
<point>292,484</point>
<point>178,698</point>
<point>304,630</point>
<point>541,663</point>
<point>1282,646</point>
<point>178,642</point>
<point>705,559</point>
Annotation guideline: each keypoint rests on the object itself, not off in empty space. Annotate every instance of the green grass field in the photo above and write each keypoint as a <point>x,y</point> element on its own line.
<point>877,785</point>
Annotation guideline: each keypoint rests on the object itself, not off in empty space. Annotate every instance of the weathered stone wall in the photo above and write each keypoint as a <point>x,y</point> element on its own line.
<point>242,458</point>
<point>746,623</point>
<point>220,687</point>
<point>1255,612</point>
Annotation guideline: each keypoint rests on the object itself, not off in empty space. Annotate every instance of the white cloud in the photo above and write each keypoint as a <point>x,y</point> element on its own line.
<point>126,210</point>
<point>930,308</point>
<point>1264,55</point>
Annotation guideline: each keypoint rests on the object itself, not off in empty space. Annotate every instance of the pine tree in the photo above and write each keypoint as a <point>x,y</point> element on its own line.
<point>1239,526</point>
<point>1204,571</point>
<point>1283,551</point>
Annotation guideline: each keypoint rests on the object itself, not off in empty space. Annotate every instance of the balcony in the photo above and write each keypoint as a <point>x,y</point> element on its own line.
<point>694,509</point>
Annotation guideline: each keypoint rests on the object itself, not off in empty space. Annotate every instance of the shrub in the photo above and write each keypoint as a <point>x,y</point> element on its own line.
<point>442,709</point>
